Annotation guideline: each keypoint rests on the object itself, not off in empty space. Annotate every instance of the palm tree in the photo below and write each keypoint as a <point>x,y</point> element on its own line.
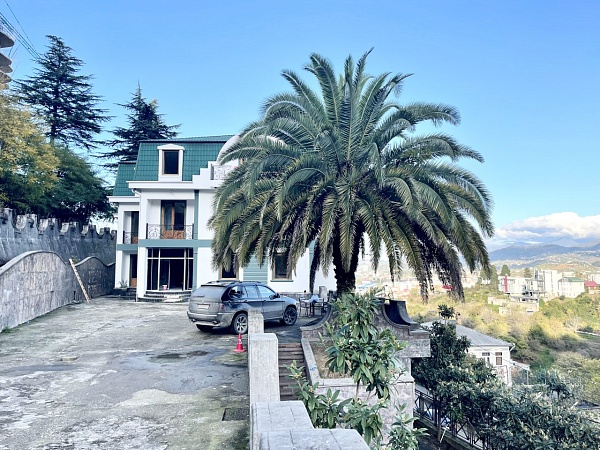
<point>341,170</point>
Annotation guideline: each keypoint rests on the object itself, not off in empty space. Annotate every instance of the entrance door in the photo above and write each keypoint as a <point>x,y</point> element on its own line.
<point>133,259</point>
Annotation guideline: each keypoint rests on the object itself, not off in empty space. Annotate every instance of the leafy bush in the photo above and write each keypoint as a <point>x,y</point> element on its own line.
<point>368,355</point>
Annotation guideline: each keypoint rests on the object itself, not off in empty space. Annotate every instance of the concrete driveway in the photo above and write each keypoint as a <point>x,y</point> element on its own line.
<point>114,374</point>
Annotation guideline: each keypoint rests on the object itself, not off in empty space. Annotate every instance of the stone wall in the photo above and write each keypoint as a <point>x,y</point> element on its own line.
<point>20,234</point>
<point>35,283</point>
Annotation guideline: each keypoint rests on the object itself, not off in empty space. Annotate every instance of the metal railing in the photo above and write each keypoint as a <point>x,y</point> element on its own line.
<point>219,172</point>
<point>130,237</point>
<point>169,231</point>
<point>427,408</point>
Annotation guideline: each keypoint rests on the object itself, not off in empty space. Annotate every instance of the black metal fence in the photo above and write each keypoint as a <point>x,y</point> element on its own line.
<point>427,408</point>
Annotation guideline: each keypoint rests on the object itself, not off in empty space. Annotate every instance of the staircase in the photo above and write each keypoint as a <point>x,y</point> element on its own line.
<point>170,296</point>
<point>287,354</point>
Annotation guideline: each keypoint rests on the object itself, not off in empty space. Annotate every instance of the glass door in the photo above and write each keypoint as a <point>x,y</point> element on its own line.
<point>173,219</point>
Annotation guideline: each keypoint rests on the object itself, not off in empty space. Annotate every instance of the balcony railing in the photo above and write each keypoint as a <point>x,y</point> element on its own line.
<point>220,172</point>
<point>169,231</point>
<point>130,237</point>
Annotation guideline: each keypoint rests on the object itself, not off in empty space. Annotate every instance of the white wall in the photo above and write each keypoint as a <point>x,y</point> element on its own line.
<point>503,370</point>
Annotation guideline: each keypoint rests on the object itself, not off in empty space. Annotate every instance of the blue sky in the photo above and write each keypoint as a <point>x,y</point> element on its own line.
<point>524,75</point>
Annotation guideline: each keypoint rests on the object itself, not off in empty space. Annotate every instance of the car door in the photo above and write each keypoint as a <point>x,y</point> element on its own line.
<point>272,302</point>
<point>254,299</point>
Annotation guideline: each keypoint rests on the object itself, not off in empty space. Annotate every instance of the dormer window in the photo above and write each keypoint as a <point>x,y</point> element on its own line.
<point>170,162</point>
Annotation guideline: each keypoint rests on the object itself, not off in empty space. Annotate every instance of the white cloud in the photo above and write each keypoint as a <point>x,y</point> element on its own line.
<point>557,225</point>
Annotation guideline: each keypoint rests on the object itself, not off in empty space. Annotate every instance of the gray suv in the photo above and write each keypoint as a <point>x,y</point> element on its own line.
<point>226,304</point>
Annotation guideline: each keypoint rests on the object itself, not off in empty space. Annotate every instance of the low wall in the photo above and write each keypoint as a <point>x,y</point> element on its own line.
<point>35,283</point>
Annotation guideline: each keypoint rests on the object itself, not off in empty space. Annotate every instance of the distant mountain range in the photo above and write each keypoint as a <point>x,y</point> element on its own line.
<point>584,256</point>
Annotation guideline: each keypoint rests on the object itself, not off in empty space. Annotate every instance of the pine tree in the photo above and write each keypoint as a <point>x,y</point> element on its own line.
<point>144,123</point>
<point>63,98</point>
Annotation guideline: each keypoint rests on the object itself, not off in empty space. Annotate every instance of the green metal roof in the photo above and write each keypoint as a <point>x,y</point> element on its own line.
<point>196,155</point>
<point>222,138</point>
<point>125,172</point>
<point>198,151</point>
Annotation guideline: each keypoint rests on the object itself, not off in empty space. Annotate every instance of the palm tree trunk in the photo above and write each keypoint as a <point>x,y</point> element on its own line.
<point>345,279</point>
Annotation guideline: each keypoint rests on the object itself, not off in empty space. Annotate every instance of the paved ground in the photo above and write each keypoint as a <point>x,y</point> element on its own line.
<point>116,374</point>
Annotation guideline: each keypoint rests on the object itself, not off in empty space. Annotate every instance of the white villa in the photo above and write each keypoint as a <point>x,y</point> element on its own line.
<point>495,352</point>
<point>164,201</point>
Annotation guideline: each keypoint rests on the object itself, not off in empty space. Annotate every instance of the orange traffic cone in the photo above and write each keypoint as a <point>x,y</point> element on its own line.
<point>239,347</point>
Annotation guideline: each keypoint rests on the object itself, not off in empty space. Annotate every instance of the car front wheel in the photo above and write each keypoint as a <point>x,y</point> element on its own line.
<point>289,316</point>
<point>240,324</point>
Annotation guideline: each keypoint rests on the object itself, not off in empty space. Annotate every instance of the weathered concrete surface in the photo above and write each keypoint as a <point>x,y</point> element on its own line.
<point>116,374</point>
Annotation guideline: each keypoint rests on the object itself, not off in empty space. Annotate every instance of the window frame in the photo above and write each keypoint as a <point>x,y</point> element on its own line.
<point>281,258</point>
<point>224,274</point>
<point>168,164</point>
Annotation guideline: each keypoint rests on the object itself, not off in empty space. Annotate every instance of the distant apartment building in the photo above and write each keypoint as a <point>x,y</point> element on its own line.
<point>512,285</point>
<point>571,287</point>
<point>594,277</point>
<point>548,280</point>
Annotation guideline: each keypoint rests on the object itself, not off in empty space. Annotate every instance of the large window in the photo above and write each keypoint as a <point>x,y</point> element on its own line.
<point>170,268</point>
<point>281,270</point>
<point>170,162</point>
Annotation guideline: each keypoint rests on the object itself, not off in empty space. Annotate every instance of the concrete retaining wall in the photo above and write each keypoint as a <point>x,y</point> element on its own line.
<point>35,283</point>
<point>25,233</point>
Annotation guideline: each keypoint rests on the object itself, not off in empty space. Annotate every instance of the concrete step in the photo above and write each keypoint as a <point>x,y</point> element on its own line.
<point>287,354</point>
<point>165,296</point>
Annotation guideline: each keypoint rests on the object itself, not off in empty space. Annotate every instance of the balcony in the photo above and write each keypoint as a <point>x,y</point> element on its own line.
<point>6,40</point>
<point>130,237</point>
<point>169,231</point>
<point>219,173</point>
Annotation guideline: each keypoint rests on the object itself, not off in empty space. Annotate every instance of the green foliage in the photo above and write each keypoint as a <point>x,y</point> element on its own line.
<point>527,272</point>
<point>36,177</point>
<point>403,435</point>
<point>528,420</point>
<point>504,270</point>
<point>507,419</point>
<point>366,354</point>
<point>79,193</point>
<point>27,162</point>
<point>358,348</point>
<point>556,385</point>
<point>63,98</point>
<point>340,167</point>
<point>144,122</point>
<point>325,410</point>
<point>365,419</point>
<point>446,312</point>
